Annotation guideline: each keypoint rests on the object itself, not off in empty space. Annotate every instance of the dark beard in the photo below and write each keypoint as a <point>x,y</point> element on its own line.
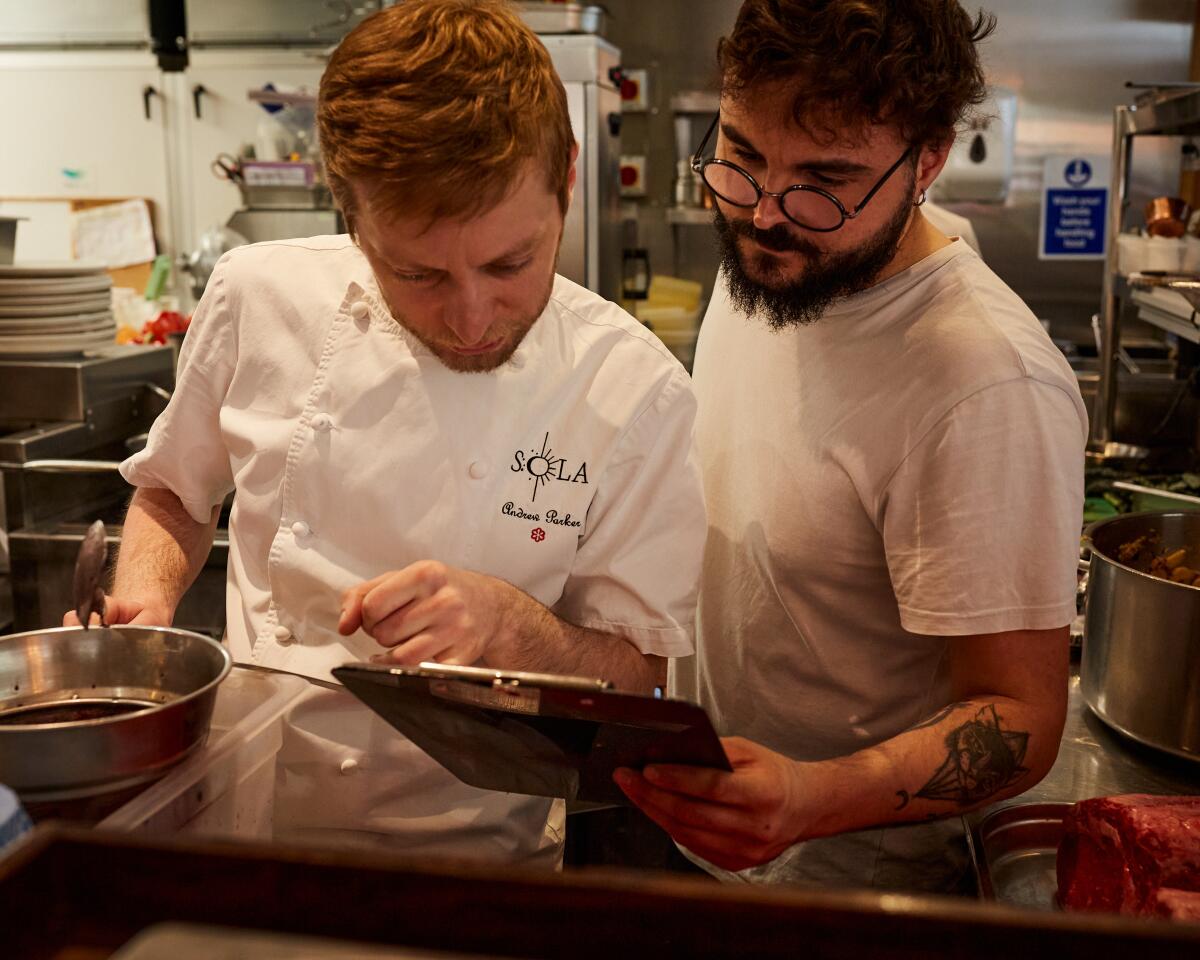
<point>826,279</point>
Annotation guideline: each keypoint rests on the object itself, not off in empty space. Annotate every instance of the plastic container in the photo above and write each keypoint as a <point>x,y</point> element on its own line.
<point>1129,247</point>
<point>674,292</point>
<point>1191,255</point>
<point>228,787</point>
<point>1136,253</point>
<point>1164,253</point>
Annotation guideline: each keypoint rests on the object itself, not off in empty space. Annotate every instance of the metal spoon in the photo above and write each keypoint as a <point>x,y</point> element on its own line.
<point>89,568</point>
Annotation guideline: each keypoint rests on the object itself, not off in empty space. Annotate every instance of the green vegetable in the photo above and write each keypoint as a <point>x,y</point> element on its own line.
<point>1097,508</point>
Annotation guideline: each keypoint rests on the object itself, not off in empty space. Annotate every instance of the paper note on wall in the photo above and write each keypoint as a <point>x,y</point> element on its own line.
<point>116,234</point>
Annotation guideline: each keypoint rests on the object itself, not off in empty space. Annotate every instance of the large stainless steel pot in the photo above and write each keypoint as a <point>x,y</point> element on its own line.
<point>90,712</point>
<point>1140,671</point>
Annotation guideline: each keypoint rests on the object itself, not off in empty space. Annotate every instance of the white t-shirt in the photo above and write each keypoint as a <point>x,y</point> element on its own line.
<point>568,472</point>
<point>906,470</point>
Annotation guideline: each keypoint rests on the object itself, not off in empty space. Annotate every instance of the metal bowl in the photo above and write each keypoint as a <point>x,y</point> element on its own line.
<point>89,712</point>
<point>551,18</point>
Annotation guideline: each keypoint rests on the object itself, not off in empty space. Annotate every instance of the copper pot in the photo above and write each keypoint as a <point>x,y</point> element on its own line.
<point>1167,217</point>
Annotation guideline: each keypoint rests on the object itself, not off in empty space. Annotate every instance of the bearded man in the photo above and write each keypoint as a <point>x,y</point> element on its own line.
<point>893,460</point>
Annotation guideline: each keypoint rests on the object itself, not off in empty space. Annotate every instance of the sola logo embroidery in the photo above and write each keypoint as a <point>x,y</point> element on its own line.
<point>538,535</point>
<point>544,466</point>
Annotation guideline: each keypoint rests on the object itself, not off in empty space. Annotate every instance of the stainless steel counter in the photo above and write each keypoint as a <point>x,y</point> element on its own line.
<point>1094,761</point>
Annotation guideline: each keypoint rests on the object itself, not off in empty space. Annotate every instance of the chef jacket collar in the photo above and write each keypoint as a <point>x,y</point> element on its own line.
<point>380,315</point>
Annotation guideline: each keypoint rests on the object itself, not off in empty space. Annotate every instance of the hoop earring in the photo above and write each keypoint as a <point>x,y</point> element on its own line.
<point>921,202</point>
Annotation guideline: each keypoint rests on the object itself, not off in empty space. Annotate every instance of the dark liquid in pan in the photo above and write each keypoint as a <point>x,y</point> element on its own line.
<point>72,711</point>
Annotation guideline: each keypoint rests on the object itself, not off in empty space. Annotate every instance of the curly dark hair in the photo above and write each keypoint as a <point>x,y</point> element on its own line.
<point>847,64</point>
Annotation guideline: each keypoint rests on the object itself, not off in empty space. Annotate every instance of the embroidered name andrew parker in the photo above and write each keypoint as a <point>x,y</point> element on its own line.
<point>510,509</point>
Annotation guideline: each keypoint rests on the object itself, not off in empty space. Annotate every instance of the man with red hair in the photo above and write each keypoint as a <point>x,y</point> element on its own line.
<point>440,449</point>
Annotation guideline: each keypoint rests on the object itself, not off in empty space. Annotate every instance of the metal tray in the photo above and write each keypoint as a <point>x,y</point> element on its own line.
<point>283,197</point>
<point>1014,851</point>
<point>563,17</point>
<point>1186,285</point>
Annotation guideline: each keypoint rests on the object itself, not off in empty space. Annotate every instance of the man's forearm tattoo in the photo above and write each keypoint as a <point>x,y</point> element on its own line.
<point>981,760</point>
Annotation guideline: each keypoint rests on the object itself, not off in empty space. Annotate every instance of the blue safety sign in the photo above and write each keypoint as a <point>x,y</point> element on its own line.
<point>1074,208</point>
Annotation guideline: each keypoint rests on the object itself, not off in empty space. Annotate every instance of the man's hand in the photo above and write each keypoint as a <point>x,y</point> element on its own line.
<point>119,610</point>
<point>427,611</point>
<point>734,820</point>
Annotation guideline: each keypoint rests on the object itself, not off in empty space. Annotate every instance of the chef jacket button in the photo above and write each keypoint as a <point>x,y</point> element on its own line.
<point>322,422</point>
<point>283,634</point>
<point>359,310</point>
<point>348,766</point>
<point>301,529</point>
<point>516,361</point>
<point>478,470</point>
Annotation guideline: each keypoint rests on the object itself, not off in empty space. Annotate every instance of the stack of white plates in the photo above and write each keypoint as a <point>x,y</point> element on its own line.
<point>51,309</point>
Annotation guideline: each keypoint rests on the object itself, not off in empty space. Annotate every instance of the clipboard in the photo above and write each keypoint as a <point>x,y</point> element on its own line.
<point>531,733</point>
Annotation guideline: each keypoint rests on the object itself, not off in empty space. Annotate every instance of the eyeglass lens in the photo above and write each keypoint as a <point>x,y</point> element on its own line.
<point>806,207</point>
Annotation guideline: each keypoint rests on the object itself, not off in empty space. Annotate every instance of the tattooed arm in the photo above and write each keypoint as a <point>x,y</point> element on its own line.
<point>998,738</point>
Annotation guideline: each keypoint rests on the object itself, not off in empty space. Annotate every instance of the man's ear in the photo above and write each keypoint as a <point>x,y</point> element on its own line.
<point>930,162</point>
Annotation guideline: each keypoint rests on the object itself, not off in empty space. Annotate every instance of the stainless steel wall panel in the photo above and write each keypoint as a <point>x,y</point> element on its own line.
<point>58,23</point>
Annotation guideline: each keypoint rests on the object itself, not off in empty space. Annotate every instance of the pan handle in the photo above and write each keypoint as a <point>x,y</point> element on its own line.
<point>162,394</point>
<point>1085,551</point>
<point>71,466</point>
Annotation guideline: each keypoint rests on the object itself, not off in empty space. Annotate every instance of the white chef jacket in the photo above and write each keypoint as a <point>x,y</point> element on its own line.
<point>568,472</point>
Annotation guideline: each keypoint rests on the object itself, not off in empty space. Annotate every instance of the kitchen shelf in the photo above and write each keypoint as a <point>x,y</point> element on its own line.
<point>278,98</point>
<point>1162,113</point>
<point>1172,112</point>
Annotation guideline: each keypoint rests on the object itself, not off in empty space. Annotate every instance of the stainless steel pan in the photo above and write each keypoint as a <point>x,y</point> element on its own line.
<point>89,712</point>
<point>1140,671</point>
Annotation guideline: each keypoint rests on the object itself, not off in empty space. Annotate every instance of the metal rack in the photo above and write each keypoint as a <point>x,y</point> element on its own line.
<point>1169,112</point>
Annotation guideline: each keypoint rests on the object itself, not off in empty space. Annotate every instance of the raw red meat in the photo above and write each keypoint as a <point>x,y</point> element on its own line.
<point>1135,854</point>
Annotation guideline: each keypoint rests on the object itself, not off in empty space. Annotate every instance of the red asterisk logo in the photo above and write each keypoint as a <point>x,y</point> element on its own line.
<point>538,535</point>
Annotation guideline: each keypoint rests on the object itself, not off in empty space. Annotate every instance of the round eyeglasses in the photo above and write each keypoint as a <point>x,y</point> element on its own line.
<point>806,206</point>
